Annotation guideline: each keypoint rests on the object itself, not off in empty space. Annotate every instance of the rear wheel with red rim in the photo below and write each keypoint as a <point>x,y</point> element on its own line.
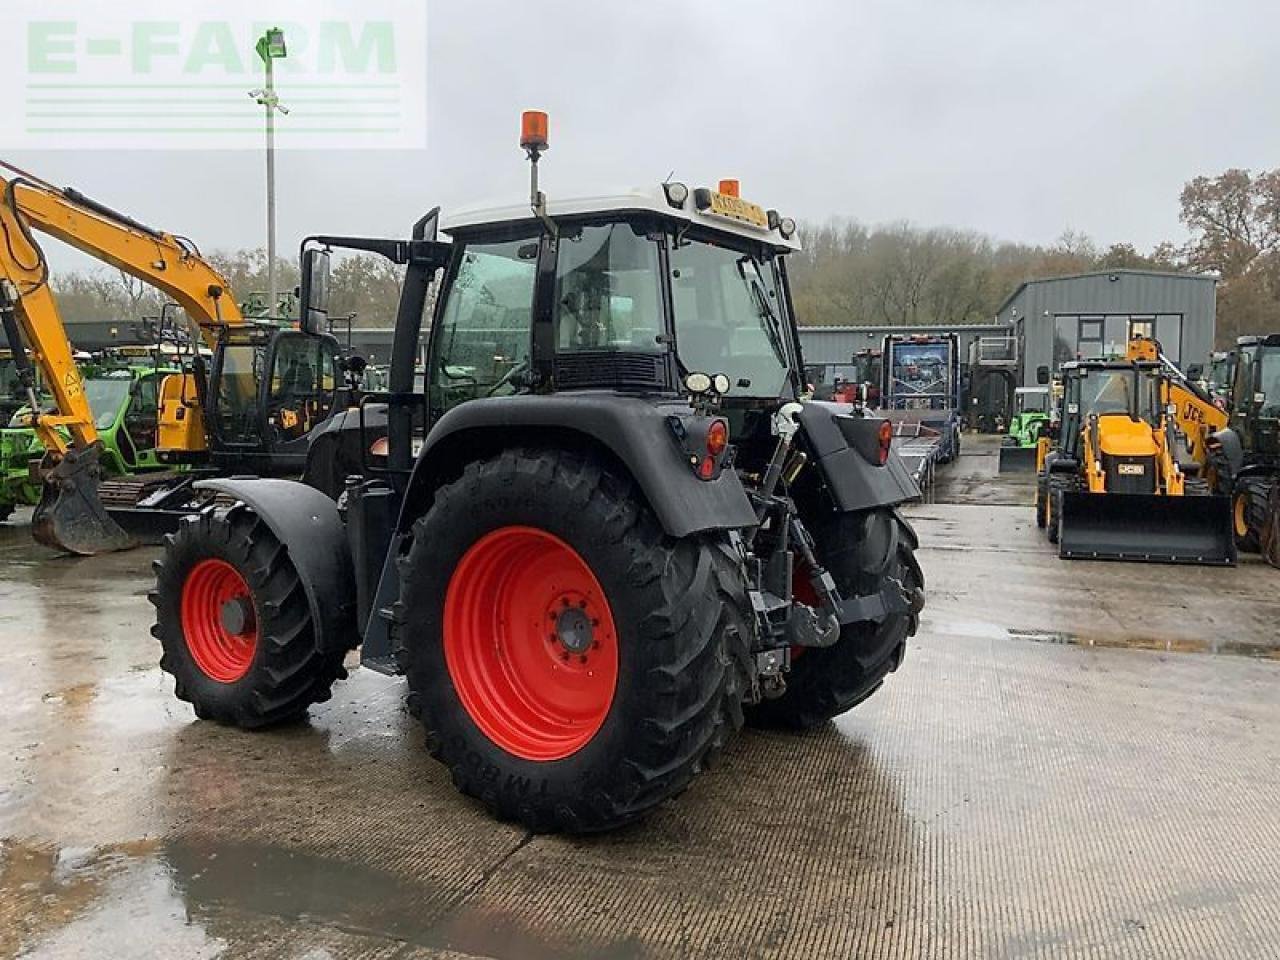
<point>573,666</point>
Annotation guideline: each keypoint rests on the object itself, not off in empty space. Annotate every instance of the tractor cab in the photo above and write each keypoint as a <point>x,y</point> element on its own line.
<point>631,292</point>
<point>1255,394</point>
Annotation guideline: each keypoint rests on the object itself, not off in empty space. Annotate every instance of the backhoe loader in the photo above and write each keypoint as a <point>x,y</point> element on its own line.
<point>252,410</point>
<point>1127,475</point>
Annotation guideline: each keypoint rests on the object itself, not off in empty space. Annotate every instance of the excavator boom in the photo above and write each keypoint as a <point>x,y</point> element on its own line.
<point>71,516</point>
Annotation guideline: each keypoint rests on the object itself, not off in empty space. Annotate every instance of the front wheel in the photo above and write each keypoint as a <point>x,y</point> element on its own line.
<point>235,624</point>
<point>862,551</point>
<point>573,666</point>
<point>1249,510</point>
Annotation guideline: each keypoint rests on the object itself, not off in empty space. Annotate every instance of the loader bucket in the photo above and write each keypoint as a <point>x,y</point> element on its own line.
<point>70,517</point>
<point>1147,527</point>
<point>1017,459</point>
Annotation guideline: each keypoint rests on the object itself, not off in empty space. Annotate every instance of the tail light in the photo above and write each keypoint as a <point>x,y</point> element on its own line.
<point>717,437</point>
<point>380,447</point>
<point>717,442</point>
<point>886,440</point>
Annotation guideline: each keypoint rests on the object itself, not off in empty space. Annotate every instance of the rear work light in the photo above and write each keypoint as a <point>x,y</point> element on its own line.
<point>886,440</point>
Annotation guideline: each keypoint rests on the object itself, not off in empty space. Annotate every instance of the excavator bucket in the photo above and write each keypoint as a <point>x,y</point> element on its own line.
<point>1017,459</point>
<point>70,517</point>
<point>1147,527</point>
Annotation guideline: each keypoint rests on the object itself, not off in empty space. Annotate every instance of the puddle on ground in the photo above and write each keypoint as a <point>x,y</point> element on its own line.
<point>1227,648</point>
<point>194,898</point>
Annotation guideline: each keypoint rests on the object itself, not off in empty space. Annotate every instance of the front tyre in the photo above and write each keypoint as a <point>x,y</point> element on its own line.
<point>573,666</point>
<point>1249,510</point>
<point>235,624</point>
<point>862,551</point>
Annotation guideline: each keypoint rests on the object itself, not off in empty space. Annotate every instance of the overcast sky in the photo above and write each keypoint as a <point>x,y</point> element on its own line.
<point>1017,118</point>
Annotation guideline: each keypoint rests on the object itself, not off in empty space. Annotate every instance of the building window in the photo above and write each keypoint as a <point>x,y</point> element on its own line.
<point>1169,333</point>
<point>1091,336</point>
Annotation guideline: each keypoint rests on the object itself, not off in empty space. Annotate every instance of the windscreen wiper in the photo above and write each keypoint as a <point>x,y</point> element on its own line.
<point>771,323</point>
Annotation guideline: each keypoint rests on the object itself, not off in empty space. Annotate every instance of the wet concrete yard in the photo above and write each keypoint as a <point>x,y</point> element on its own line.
<point>1075,760</point>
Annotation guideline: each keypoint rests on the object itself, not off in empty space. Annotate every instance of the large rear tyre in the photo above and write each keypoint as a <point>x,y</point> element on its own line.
<point>573,666</point>
<point>6,511</point>
<point>1249,510</point>
<point>861,551</point>
<point>234,622</point>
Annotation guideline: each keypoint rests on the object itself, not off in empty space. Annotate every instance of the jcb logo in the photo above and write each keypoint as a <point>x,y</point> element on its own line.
<point>1192,413</point>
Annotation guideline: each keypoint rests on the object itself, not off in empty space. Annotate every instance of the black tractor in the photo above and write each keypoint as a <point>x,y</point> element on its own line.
<point>608,531</point>
<point>1247,457</point>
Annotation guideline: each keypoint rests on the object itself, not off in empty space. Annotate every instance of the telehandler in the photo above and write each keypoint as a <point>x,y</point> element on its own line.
<point>1127,474</point>
<point>609,531</point>
<point>253,409</point>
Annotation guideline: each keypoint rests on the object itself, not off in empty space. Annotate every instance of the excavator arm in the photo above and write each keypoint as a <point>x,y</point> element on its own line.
<point>70,515</point>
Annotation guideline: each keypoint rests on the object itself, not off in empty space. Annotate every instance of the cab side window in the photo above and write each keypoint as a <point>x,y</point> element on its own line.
<point>142,419</point>
<point>484,341</point>
<point>302,386</point>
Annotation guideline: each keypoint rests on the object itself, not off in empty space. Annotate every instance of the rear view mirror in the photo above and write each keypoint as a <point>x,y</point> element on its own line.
<point>1042,375</point>
<point>314,294</point>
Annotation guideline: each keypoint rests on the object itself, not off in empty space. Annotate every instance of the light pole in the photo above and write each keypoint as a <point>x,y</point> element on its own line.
<point>271,47</point>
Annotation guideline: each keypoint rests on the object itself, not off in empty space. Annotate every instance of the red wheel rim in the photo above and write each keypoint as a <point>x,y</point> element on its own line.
<point>530,643</point>
<point>219,620</point>
<point>802,591</point>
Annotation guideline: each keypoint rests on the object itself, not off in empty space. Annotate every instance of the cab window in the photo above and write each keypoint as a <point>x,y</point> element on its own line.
<point>485,331</point>
<point>142,419</point>
<point>607,290</point>
<point>302,386</point>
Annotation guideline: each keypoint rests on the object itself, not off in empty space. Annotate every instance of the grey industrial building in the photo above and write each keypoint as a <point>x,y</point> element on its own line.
<point>1095,314</point>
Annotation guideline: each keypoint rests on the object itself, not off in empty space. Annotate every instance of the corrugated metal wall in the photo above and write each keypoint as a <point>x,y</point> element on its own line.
<point>1039,302</point>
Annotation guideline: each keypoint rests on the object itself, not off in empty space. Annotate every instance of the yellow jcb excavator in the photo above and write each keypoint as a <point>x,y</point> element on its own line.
<point>251,410</point>
<point>1126,473</point>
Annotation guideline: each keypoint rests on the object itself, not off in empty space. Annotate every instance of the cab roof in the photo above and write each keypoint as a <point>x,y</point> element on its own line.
<point>638,199</point>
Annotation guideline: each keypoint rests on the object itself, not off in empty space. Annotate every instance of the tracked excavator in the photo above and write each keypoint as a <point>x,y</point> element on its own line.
<point>252,408</point>
<point>1129,471</point>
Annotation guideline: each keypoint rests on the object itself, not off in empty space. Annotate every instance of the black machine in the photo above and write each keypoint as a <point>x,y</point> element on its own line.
<point>606,533</point>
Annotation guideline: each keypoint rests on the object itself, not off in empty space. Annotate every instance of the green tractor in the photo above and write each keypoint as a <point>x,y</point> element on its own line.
<point>1018,446</point>
<point>123,399</point>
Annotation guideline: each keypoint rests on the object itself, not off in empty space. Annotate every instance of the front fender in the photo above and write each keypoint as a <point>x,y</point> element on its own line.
<point>308,524</point>
<point>833,433</point>
<point>631,429</point>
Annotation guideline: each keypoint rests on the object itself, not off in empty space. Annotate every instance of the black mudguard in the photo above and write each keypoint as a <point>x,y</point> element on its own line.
<point>633,429</point>
<point>308,524</point>
<point>843,444</point>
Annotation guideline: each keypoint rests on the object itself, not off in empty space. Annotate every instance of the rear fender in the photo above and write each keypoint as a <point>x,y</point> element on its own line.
<point>842,444</point>
<point>311,529</point>
<point>632,431</point>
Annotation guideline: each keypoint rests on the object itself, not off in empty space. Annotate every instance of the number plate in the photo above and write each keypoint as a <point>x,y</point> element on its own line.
<point>1130,469</point>
<point>735,208</point>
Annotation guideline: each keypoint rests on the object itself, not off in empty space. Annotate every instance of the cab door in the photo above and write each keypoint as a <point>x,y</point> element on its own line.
<point>142,419</point>
<point>299,392</point>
